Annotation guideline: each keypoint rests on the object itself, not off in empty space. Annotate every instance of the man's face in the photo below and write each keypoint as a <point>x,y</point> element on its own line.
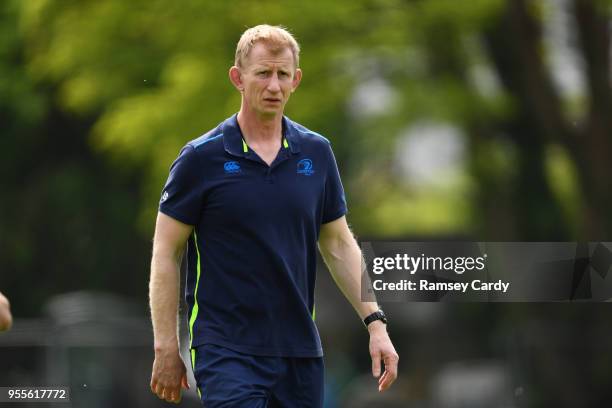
<point>268,78</point>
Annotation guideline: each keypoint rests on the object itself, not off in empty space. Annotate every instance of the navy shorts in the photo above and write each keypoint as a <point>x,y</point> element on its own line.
<point>226,378</point>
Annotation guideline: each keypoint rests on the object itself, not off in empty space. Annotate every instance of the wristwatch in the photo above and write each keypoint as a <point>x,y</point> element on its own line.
<point>378,315</point>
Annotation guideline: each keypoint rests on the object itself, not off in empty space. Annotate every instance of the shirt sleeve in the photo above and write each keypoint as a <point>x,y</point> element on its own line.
<point>181,198</point>
<point>334,201</point>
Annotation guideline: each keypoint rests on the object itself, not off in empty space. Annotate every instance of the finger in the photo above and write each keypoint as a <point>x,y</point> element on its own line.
<point>159,391</point>
<point>391,359</point>
<point>376,364</point>
<point>382,387</point>
<point>389,378</point>
<point>173,396</point>
<point>385,385</point>
<point>169,395</point>
<point>382,377</point>
<point>391,365</point>
<point>153,385</point>
<point>166,394</point>
<point>184,382</point>
<point>176,395</point>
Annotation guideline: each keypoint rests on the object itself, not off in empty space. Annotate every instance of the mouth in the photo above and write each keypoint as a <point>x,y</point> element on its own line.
<point>272,100</point>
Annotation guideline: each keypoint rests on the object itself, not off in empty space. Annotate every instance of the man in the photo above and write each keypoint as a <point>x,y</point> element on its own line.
<point>6,320</point>
<point>251,199</point>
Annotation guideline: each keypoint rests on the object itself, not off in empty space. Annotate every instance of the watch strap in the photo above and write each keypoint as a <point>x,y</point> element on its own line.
<point>378,315</point>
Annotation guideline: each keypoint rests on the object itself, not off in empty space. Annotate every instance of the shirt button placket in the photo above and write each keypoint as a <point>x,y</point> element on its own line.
<point>269,176</point>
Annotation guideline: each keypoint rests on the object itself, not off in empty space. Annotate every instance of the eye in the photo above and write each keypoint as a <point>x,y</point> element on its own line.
<point>262,74</point>
<point>283,74</point>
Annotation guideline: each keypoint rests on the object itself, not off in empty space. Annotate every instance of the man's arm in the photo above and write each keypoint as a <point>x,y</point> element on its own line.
<point>169,371</point>
<point>6,320</point>
<point>343,258</point>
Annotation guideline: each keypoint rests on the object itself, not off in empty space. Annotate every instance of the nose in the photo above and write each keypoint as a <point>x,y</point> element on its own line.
<point>274,83</point>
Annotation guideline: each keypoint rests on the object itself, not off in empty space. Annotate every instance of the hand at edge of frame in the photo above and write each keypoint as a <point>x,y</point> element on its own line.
<point>381,349</point>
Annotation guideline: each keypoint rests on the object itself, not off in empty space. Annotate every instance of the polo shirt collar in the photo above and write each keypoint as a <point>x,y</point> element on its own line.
<point>291,135</point>
<point>233,140</point>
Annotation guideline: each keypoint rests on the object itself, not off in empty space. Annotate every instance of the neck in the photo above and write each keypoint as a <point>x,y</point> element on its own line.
<point>256,129</point>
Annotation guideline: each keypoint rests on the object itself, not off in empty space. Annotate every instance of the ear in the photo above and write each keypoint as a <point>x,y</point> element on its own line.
<point>297,78</point>
<point>235,77</point>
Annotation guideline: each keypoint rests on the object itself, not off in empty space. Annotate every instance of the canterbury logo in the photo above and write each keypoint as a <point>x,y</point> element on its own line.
<point>164,197</point>
<point>231,167</point>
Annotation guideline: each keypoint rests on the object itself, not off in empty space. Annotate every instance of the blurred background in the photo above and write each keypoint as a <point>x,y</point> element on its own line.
<point>483,120</point>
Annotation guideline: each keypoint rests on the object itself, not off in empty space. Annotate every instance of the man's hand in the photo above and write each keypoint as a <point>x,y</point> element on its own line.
<point>381,348</point>
<point>6,320</point>
<point>169,374</point>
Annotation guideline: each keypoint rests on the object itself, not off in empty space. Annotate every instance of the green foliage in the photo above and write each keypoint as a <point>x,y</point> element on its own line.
<point>98,98</point>
<point>563,179</point>
<point>154,75</point>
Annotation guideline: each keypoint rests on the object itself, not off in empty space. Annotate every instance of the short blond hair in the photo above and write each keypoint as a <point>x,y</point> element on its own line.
<point>277,37</point>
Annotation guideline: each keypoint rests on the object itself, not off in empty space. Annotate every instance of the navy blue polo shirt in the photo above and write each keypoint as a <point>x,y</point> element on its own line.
<point>251,259</point>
